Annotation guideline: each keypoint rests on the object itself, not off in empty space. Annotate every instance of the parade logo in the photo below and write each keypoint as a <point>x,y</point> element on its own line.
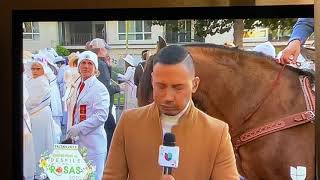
<point>168,156</point>
<point>67,162</point>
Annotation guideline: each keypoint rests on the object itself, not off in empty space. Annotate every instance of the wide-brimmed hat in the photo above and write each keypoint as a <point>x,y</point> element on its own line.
<point>99,43</point>
<point>129,59</point>
<point>50,53</point>
<point>58,59</point>
<point>266,48</point>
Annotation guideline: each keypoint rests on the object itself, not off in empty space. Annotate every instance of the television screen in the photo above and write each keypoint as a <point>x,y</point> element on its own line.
<point>252,76</point>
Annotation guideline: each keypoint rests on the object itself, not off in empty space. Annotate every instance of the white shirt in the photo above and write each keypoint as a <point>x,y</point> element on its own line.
<point>169,121</point>
<point>128,76</point>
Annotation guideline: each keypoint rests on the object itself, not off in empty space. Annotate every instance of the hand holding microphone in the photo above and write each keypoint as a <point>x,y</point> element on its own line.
<point>168,155</point>
<point>167,177</point>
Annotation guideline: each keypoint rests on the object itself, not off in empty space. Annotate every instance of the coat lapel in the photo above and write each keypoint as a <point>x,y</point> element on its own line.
<point>86,88</point>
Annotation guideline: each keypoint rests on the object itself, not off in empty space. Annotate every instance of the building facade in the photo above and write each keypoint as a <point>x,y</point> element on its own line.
<point>141,35</point>
<point>131,37</point>
<point>38,35</point>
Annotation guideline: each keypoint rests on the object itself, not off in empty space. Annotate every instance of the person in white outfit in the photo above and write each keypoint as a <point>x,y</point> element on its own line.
<point>28,147</point>
<point>55,100</point>
<point>56,104</point>
<point>60,61</point>
<point>72,79</point>
<point>90,112</point>
<point>127,85</point>
<point>38,107</point>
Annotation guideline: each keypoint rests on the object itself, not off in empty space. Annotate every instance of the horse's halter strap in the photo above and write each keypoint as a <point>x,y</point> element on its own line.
<point>282,123</point>
<point>258,105</point>
<point>307,92</point>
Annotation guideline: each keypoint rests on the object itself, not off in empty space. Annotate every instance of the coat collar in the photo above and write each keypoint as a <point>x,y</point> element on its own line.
<point>88,84</point>
<point>186,121</point>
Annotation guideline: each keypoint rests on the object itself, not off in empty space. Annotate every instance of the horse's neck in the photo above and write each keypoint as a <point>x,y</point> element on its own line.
<point>286,98</point>
<point>231,100</point>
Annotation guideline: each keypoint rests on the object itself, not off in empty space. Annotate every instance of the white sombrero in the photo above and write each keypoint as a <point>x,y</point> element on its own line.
<point>129,59</point>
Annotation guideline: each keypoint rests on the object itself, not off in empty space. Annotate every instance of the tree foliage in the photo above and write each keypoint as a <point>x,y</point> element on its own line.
<point>62,51</point>
<point>213,26</point>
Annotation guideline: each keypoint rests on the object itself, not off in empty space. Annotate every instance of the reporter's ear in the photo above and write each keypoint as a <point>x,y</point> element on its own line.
<point>152,80</point>
<point>195,84</point>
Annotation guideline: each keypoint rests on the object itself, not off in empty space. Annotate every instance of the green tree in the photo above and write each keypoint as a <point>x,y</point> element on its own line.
<point>206,27</point>
<point>62,51</point>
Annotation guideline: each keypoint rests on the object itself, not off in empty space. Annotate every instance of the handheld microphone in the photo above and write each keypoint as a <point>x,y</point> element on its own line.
<point>168,153</point>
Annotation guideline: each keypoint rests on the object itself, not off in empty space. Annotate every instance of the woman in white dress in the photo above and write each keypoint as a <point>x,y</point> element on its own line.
<point>127,84</point>
<point>38,107</point>
<point>55,100</point>
<point>56,103</point>
<point>28,147</point>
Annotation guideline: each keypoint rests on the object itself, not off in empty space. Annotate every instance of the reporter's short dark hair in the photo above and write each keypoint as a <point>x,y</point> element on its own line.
<point>174,54</point>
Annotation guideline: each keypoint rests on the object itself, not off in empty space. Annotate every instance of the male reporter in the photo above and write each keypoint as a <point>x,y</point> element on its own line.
<point>205,149</point>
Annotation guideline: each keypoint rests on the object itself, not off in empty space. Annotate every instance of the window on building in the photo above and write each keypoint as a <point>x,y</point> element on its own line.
<point>178,31</point>
<point>31,30</point>
<point>137,30</point>
<point>185,31</point>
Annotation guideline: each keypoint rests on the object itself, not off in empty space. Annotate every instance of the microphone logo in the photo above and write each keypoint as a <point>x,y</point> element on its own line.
<point>168,153</point>
<point>168,156</point>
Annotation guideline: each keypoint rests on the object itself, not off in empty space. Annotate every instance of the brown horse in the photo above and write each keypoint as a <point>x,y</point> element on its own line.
<point>248,90</point>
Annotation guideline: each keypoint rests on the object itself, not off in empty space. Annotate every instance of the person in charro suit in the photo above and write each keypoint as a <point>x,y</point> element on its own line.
<point>90,112</point>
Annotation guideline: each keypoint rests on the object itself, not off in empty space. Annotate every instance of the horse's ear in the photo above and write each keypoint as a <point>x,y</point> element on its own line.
<point>161,43</point>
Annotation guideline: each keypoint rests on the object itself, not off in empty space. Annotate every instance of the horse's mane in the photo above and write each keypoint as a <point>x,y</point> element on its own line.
<point>209,46</point>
